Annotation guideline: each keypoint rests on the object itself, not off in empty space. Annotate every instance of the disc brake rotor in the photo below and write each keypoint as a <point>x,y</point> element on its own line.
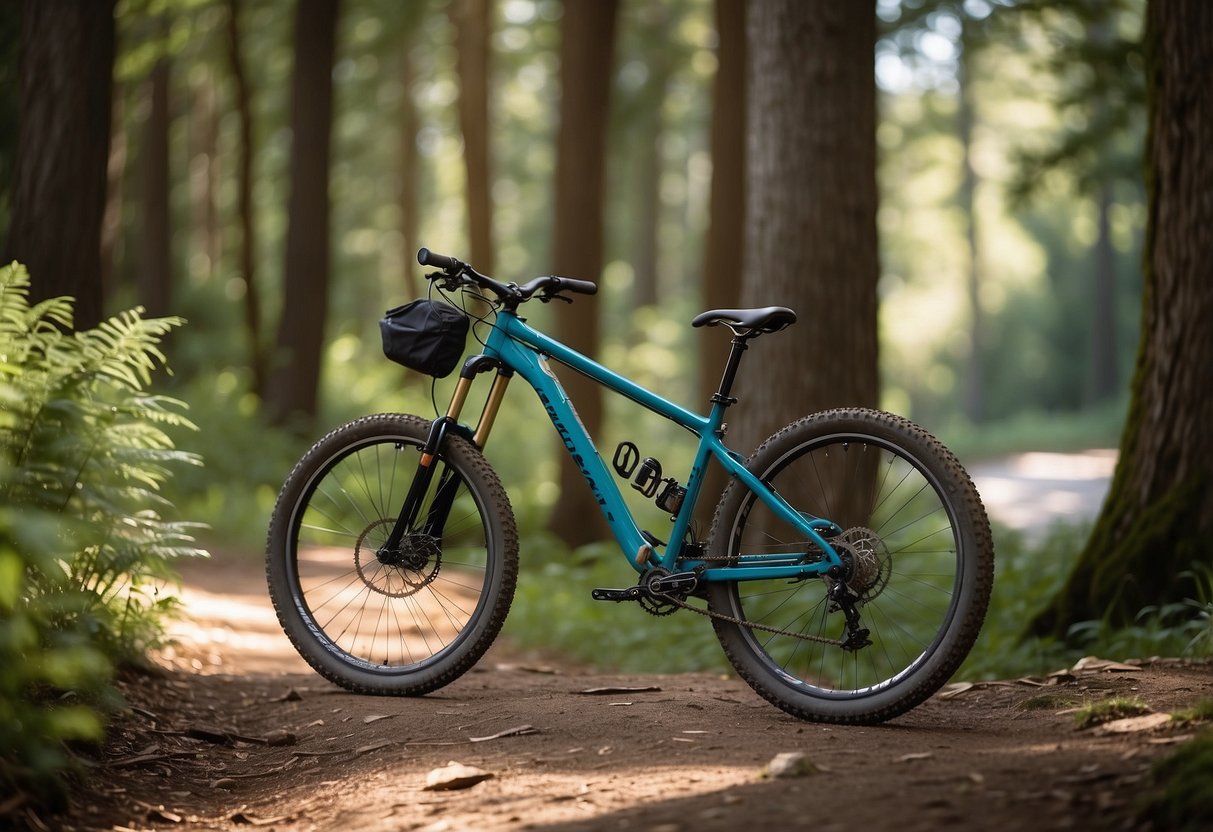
<point>420,558</point>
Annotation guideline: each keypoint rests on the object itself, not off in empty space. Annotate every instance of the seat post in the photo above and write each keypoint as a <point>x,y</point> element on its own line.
<point>722,396</point>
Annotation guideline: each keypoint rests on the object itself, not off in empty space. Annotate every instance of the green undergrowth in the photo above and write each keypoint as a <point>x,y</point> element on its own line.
<point>1107,710</point>
<point>87,536</point>
<point>1180,798</point>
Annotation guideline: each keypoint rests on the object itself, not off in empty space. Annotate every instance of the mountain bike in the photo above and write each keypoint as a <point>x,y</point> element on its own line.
<point>846,572</point>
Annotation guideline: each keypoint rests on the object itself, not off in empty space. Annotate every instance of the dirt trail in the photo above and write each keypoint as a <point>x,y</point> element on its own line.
<point>200,747</point>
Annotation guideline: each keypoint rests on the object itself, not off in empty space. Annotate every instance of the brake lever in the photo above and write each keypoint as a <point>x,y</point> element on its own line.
<point>547,298</point>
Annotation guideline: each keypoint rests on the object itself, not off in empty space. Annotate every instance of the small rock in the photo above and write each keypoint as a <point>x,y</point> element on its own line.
<point>280,737</point>
<point>291,695</point>
<point>790,764</point>
<point>453,776</point>
<point>226,783</point>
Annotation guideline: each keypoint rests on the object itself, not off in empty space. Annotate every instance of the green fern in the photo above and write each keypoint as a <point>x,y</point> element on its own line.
<point>86,543</point>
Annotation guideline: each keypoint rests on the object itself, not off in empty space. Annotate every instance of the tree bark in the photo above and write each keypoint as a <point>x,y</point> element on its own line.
<point>294,382</point>
<point>472,25</point>
<point>724,250</point>
<point>155,234</point>
<point>810,239</point>
<point>974,379</point>
<point>111,215</point>
<point>586,57</point>
<point>244,202</point>
<point>410,124</point>
<point>649,162</point>
<point>1157,520</point>
<point>1105,375</point>
<point>204,175</point>
<point>59,180</point>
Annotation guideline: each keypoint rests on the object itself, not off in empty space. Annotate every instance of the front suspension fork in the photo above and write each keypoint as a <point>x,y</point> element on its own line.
<point>449,479</point>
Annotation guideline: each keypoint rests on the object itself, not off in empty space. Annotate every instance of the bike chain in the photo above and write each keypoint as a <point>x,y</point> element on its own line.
<point>750,624</point>
<point>835,642</point>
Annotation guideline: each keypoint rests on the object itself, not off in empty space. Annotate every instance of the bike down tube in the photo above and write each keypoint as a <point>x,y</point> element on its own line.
<point>503,343</point>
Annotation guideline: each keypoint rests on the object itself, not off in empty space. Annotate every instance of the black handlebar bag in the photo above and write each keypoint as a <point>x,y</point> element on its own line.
<point>425,335</point>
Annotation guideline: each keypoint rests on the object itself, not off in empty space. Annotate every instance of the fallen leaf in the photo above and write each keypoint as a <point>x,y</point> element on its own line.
<point>249,819</point>
<point>453,776</point>
<point>160,815</point>
<point>620,689</point>
<point>1092,663</point>
<point>520,731</point>
<point>375,718</point>
<point>541,669</point>
<point>1132,724</point>
<point>367,749</point>
<point>957,689</point>
<point>1170,740</point>
<point>915,757</point>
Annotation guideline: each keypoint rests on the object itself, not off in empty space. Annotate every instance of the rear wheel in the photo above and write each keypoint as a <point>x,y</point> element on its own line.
<point>918,561</point>
<point>404,621</point>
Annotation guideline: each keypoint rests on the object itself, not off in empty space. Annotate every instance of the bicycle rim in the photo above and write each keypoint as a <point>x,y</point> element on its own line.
<point>386,618</point>
<point>904,559</point>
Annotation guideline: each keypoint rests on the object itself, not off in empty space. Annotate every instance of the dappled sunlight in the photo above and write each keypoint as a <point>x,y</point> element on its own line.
<point>229,632</point>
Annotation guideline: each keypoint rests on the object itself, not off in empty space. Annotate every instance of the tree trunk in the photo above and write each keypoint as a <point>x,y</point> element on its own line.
<point>59,179</point>
<point>244,202</point>
<point>155,233</point>
<point>111,216</point>
<point>586,57</point>
<point>1157,520</point>
<point>724,249</point>
<point>294,382</point>
<point>649,163</point>
<point>810,239</point>
<point>204,175</point>
<point>410,124</point>
<point>974,379</point>
<point>472,24</point>
<point>1105,381</point>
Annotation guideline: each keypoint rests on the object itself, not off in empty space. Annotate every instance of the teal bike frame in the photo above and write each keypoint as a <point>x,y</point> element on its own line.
<point>517,348</point>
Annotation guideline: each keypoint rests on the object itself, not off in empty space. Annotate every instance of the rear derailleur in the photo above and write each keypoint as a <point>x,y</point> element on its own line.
<point>854,636</point>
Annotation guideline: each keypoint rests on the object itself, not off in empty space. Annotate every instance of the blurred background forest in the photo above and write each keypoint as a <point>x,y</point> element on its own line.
<point>1011,209</point>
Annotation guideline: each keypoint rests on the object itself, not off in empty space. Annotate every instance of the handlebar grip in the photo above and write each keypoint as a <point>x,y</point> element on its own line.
<point>581,287</point>
<point>440,261</point>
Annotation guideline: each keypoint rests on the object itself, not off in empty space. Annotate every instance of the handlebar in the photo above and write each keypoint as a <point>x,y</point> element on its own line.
<point>455,273</point>
<point>439,261</point>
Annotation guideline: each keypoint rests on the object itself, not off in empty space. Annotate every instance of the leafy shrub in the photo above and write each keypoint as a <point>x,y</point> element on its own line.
<point>84,545</point>
<point>1181,798</point>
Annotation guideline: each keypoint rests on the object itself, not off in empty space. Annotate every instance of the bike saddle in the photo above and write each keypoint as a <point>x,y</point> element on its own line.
<point>748,321</point>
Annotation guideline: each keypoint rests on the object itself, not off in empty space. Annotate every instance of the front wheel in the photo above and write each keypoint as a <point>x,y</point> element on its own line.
<point>918,564</point>
<point>375,619</point>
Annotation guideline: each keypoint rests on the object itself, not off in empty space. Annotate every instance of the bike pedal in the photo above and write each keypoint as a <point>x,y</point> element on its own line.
<point>632,593</point>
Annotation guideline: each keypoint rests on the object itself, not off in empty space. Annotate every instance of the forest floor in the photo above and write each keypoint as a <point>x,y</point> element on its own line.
<point>234,731</point>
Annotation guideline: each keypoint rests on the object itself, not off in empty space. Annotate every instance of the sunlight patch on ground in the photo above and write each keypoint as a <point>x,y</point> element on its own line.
<point>228,634</point>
